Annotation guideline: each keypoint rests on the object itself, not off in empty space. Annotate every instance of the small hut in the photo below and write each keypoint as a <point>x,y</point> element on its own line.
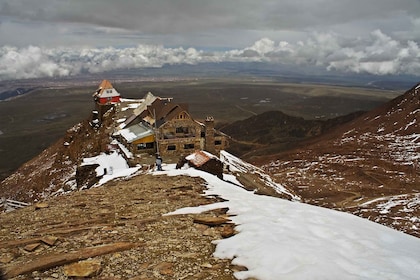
<point>106,94</point>
<point>204,161</point>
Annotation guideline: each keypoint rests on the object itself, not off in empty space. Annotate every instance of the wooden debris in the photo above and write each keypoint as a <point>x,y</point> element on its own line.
<point>52,260</point>
<point>20,242</point>
<point>211,221</point>
<point>31,247</point>
<point>49,240</point>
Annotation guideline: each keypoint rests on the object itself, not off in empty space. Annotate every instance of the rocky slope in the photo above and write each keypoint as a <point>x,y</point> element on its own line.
<point>274,131</point>
<point>117,232</point>
<point>369,167</point>
<point>55,167</point>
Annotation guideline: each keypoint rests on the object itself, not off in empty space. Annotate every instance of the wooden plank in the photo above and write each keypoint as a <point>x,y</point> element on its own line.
<point>20,242</point>
<point>52,260</point>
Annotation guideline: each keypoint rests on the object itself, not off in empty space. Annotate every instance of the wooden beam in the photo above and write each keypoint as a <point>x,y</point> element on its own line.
<point>52,260</point>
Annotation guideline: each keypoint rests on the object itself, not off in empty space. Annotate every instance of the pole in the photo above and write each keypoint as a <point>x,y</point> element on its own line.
<point>156,133</point>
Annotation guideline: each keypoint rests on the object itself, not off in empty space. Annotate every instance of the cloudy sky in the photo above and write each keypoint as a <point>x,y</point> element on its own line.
<point>41,38</point>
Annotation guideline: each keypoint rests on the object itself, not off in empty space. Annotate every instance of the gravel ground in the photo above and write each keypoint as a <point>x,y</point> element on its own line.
<point>124,214</point>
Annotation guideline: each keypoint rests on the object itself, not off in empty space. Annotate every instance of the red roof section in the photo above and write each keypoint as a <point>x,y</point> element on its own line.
<point>198,158</point>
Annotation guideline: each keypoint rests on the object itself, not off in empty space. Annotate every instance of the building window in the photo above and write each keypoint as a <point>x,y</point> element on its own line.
<point>218,142</point>
<point>143,146</point>
<point>171,148</point>
<point>188,146</point>
<point>181,130</point>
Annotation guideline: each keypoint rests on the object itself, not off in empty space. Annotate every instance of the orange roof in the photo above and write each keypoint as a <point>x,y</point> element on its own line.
<point>106,85</point>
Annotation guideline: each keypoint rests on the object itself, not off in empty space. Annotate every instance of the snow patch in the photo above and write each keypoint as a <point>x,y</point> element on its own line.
<point>110,167</point>
<point>237,165</point>
<point>279,239</point>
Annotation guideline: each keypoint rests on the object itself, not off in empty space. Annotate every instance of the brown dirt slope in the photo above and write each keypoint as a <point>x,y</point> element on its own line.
<point>55,167</point>
<point>119,229</point>
<point>369,166</point>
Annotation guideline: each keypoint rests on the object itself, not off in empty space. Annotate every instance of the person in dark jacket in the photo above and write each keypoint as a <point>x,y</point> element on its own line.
<point>159,163</point>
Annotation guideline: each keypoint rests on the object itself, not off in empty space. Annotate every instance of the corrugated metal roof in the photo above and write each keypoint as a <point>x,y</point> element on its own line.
<point>136,132</point>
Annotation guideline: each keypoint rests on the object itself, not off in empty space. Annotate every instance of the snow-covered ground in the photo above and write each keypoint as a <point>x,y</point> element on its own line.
<point>280,239</point>
<point>110,167</point>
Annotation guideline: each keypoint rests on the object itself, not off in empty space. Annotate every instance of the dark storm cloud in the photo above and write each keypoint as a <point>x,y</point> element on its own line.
<point>165,16</point>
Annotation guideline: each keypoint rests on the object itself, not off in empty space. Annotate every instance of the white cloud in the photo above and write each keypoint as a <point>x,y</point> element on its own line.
<point>377,54</point>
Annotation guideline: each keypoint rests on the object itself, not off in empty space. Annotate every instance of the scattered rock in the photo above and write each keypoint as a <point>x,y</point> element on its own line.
<point>227,230</point>
<point>238,268</point>
<point>41,205</point>
<point>165,268</point>
<point>6,258</point>
<point>206,265</point>
<point>165,247</point>
<point>211,232</point>
<point>83,269</point>
<point>53,260</point>
<point>86,175</point>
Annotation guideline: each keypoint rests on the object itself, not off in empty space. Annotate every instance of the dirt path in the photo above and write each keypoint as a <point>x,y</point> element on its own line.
<point>349,202</point>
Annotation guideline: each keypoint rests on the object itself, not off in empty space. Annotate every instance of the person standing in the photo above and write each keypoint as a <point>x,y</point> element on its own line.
<point>159,163</point>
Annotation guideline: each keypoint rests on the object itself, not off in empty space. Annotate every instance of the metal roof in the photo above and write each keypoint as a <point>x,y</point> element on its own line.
<point>136,132</point>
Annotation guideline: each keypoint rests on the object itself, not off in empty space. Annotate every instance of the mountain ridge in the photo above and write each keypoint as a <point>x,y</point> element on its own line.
<point>368,166</point>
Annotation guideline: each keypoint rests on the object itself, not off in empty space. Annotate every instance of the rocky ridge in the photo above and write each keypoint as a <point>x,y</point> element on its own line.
<point>117,231</point>
<point>368,167</point>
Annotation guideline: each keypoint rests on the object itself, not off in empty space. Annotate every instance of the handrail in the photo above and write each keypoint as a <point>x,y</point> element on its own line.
<point>10,204</point>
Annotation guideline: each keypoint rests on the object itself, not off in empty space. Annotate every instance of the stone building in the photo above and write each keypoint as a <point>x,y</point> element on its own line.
<point>158,125</point>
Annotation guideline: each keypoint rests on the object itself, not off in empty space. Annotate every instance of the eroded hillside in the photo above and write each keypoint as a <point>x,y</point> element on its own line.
<point>368,167</point>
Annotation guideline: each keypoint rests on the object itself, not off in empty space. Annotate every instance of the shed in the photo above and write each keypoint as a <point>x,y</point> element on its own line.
<point>204,161</point>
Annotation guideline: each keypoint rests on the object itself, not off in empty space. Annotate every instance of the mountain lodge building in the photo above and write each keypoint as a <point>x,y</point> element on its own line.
<point>157,125</point>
